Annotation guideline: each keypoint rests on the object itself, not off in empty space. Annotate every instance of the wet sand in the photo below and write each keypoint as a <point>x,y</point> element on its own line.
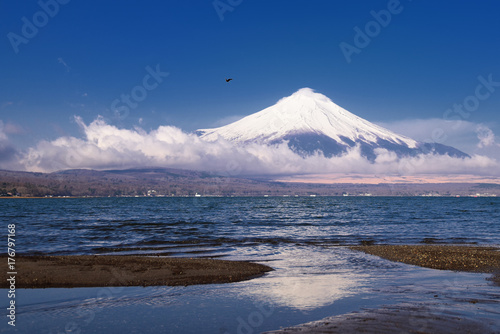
<point>98,271</point>
<point>394,319</point>
<point>410,318</point>
<point>443,257</point>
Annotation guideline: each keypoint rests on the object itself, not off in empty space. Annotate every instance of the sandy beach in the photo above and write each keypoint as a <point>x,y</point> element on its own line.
<point>98,271</point>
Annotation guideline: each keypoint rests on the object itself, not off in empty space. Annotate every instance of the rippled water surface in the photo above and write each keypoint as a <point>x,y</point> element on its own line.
<point>216,226</point>
<point>303,239</point>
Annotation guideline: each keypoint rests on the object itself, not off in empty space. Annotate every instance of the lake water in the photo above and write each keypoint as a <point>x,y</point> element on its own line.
<point>303,239</point>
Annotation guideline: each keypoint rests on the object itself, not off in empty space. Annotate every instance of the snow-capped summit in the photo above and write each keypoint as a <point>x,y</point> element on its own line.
<point>311,122</point>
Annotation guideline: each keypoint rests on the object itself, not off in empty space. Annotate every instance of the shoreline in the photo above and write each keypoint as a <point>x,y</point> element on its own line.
<point>478,259</point>
<point>132,270</point>
<point>135,270</point>
<point>398,318</point>
<point>413,318</point>
<point>38,272</point>
<point>249,196</point>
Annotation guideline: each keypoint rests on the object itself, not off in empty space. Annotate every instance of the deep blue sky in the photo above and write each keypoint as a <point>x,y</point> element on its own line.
<point>426,59</point>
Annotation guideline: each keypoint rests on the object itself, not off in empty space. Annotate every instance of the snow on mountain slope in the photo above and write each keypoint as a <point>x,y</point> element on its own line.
<point>304,112</point>
<point>311,122</point>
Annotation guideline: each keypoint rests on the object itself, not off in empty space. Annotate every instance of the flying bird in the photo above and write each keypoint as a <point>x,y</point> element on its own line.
<point>227,80</point>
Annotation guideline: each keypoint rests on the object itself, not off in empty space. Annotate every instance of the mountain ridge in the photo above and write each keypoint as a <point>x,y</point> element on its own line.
<point>169,182</point>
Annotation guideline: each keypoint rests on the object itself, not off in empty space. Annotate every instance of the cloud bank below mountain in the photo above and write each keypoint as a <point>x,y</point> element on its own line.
<point>470,137</point>
<point>105,146</point>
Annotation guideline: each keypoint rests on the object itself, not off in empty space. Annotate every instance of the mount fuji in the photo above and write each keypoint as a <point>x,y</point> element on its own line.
<point>310,122</point>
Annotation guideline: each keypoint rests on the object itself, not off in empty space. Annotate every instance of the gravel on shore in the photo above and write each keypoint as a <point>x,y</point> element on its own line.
<point>98,271</point>
<point>478,259</point>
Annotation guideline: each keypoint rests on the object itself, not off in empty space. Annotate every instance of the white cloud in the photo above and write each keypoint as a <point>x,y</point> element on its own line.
<point>433,130</point>
<point>8,153</point>
<point>3,135</point>
<point>486,136</point>
<point>6,104</point>
<point>11,128</point>
<point>106,146</point>
<point>467,136</point>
